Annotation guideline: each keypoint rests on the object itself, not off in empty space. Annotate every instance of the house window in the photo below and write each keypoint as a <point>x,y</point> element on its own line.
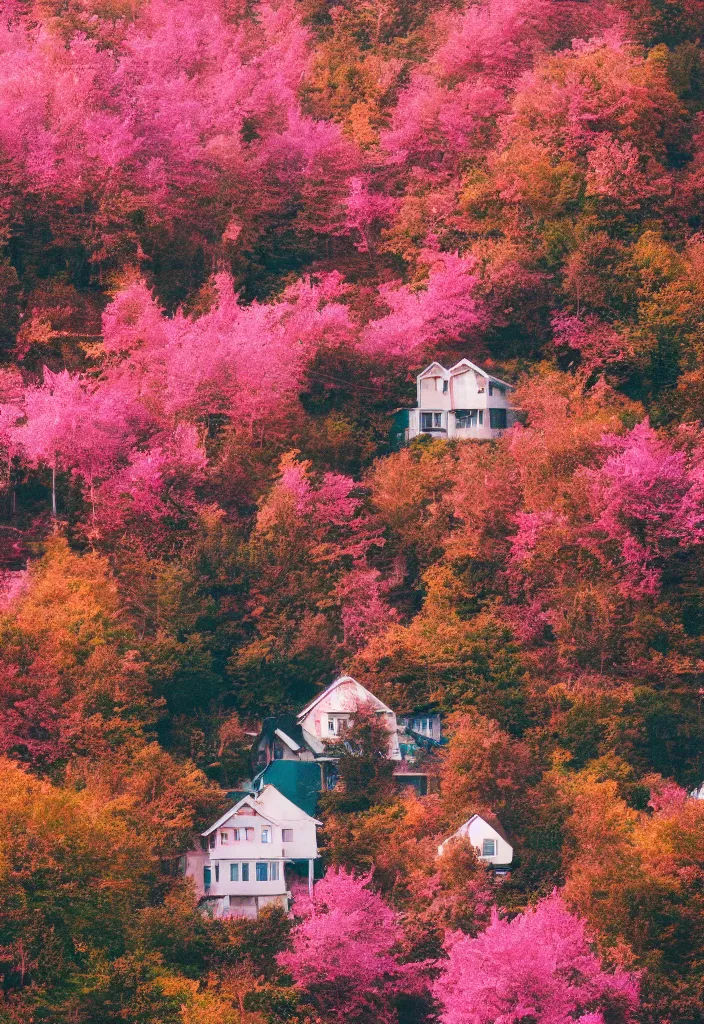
<point>469,418</point>
<point>245,872</point>
<point>274,871</point>
<point>266,835</point>
<point>488,848</point>
<point>491,389</point>
<point>497,419</point>
<point>262,873</point>
<point>239,835</point>
<point>287,835</point>
<point>278,752</point>
<point>437,419</point>
<point>426,421</point>
<point>234,872</point>
<point>331,725</point>
<point>211,840</point>
<point>224,838</point>
<point>249,835</point>
<point>445,386</point>
<point>206,878</point>
<point>217,872</point>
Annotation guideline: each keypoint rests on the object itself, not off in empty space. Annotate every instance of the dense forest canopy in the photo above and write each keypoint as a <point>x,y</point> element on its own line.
<point>231,234</point>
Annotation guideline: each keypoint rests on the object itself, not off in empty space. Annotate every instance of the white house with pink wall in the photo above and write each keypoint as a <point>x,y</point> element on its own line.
<point>464,402</point>
<point>328,714</point>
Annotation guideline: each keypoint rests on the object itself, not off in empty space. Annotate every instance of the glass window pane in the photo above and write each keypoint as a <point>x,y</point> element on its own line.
<point>488,848</point>
<point>245,872</point>
<point>261,872</point>
<point>234,872</point>
<point>274,871</point>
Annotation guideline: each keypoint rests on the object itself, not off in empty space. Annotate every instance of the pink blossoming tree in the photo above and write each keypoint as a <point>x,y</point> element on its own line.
<point>538,967</point>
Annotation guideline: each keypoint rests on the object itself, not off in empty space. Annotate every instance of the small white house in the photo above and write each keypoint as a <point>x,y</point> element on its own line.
<point>463,401</point>
<point>488,839</point>
<point>248,848</point>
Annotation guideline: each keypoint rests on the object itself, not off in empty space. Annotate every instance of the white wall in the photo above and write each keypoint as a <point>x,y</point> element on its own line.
<point>477,830</point>
<point>341,702</point>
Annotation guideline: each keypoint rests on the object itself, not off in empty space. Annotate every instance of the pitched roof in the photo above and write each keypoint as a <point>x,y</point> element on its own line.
<point>286,725</point>
<point>270,804</point>
<point>246,800</point>
<point>337,682</point>
<point>299,781</point>
<point>478,369</point>
<point>490,818</point>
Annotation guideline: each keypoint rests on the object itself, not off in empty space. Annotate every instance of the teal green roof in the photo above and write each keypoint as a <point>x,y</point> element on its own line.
<point>299,781</point>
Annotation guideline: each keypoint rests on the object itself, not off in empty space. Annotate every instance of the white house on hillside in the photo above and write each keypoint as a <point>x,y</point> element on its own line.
<point>243,865</point>
<point>463,401</point>
<point>303,737</point>
<point>488,839</point>
<point>325,717</point>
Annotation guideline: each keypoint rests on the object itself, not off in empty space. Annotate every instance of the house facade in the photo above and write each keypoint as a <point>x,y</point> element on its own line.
<point>243,864</point>
<point>488,838</point>
<point>306,736</point>
<point>464,402</point>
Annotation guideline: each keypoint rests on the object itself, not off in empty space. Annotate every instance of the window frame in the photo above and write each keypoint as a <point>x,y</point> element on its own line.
<point>286,832</point>
<point>485,852</point>
<point>266,835</point>
<point>234,872</point>
<point>261,864</point>
<point>245,871</point>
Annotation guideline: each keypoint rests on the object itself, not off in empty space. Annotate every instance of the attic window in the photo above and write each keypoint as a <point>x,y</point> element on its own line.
<point>488,848</point>
<point>224,838</point>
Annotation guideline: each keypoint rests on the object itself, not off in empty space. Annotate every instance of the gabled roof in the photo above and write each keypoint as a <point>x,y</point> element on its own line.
<point>431,367</point>
<point>279,808</point>
<point>249,801</point>
<point>287,729</point>
<point>270,804</point>
<point>492,820</point>
<point>473,366</point>
<point>333,686</point>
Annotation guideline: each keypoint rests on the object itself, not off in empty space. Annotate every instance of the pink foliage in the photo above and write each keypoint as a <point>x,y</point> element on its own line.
<point>450,104</point>
<point>539,966</point>
<point>343,953</point>
<point>597,343</point>
<point>445,310</point>
<point>365,608</point>
<point>648,500</point>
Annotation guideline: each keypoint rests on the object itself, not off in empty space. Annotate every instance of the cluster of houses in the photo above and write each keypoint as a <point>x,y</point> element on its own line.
<point>248,857</point>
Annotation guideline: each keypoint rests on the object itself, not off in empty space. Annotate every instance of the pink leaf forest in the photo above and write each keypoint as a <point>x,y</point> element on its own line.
<point>351,511</point>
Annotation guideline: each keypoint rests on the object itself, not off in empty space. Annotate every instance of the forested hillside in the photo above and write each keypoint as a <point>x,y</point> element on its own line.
<point>231,235</point>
